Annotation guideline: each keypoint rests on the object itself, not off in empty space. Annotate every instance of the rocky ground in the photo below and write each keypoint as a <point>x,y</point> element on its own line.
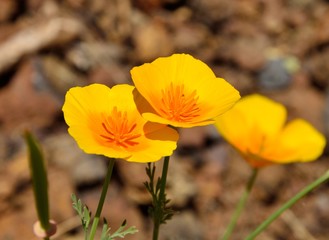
<point>277,48</point>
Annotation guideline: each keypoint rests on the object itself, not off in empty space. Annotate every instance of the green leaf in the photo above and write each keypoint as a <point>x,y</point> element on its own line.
<point>120,233</point>
<point>159,209</point>
<point>39,180</point>
<point>82,211</point>
<point>104,231</point>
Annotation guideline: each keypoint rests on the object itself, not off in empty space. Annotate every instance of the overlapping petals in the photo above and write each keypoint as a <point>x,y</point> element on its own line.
<point>255,126</point>
<point>182,91</point>
<point>106,121</point>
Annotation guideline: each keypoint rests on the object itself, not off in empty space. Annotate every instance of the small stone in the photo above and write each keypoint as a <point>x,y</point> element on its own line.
<point>181,185</point>
<point>59,75</point>
<point>192,137</point>
<point>274,75</point>
<point>62,150</point>
<point>317,65</point>
<point>184,226</point>
<point>88,55</point>
<point>109,75</point>
<point>152,39</point>
<point>24,105</point>
<point>247,49</point>
<point>7,9</point>
<point>190,37</point>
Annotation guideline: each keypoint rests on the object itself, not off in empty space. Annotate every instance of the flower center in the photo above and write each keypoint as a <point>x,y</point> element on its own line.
<point>118,130</point>
<point>179,105</point>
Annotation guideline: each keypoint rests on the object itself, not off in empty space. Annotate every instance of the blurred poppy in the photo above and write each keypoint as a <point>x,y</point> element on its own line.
<point>106,121</point>
<point>182,91</point>
<point>256,127</point>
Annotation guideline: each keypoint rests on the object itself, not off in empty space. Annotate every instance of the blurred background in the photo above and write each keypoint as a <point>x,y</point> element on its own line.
<point>278,48</point>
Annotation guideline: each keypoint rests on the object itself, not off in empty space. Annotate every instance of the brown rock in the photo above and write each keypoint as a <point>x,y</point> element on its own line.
<point>214,11</point>
<point>268,184</point>
<point>181,186</point>
<point>248,10</point>
<point>302,101</point>
<point>322,28</point>
<point>208,186</point>
<point>193,137</point>
<point>110,75</point>
<point>184,226</point>
<point>7,10</point>
<point>62,150</point>
<point>152,39</point>
<point>301,41</point>
<point>243,44</point>
<point>23,105</point>
<point>317,64</point>
<point>59,76</point>
<point>133,176</point>
<point>249,52</point>
<point>91,54</point>
<point>190,37</point>
<point>273,17</point>
<point>37,36</point>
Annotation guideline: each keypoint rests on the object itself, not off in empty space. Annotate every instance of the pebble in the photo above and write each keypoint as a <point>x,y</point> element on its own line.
<point>274,75</point>
<point>62,150</point>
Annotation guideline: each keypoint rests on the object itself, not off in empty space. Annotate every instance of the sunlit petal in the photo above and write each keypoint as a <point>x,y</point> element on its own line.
<point>302,138</point>
<point>182,91</point>
<point>255,127</point>
<point>106,121</point>
<point>262,113</point>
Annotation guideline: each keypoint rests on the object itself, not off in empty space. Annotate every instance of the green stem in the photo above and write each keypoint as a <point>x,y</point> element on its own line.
<point>157,219</point>
<point>288,204</point>
<point>240,205</point>
<point>102,199</point>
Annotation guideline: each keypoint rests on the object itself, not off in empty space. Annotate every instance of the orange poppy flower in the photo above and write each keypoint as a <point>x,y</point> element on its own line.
<point>256,127</point>
<point>106,121</point>
<point>182,91</point>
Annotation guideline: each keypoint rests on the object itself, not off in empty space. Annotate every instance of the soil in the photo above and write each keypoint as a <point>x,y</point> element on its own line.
<point>276,48</point>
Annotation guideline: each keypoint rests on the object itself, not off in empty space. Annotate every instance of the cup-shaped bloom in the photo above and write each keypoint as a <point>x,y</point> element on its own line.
<point>256,126</point>
<point>182,91</point>
<point>106,121</point>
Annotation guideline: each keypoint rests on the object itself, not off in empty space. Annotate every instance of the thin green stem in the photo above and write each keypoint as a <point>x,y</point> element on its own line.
<point>240,205</point>
<point>157,219</point>
<point>102,199</point>
<point>288,204</point>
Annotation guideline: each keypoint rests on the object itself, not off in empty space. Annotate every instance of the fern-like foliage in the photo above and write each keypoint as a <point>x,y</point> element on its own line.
<point>121,232</point>
<point>159,210</point>
<point>85,216</point>
<point>83,212</point>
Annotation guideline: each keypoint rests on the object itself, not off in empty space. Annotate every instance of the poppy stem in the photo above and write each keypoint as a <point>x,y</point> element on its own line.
<point>159,209</point>
<point>101,199</point>
<point>288,204</point>
<point>241,204</point>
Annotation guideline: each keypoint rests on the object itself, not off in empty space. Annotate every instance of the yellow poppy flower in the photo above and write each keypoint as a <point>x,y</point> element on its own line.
<point>182,91</point>
<point>106,121</point>
<point>256,127</point>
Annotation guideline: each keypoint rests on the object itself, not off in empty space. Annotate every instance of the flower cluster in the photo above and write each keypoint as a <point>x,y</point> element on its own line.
<point>131,123</point>
<point>137,124</point>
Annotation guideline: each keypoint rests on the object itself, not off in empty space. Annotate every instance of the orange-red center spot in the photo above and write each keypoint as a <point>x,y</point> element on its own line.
<point>178,104</point>
<point>118,130</point>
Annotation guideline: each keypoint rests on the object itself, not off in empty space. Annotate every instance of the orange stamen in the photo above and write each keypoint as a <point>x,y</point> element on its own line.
<point>118,130</point>
<point>179,105</point>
